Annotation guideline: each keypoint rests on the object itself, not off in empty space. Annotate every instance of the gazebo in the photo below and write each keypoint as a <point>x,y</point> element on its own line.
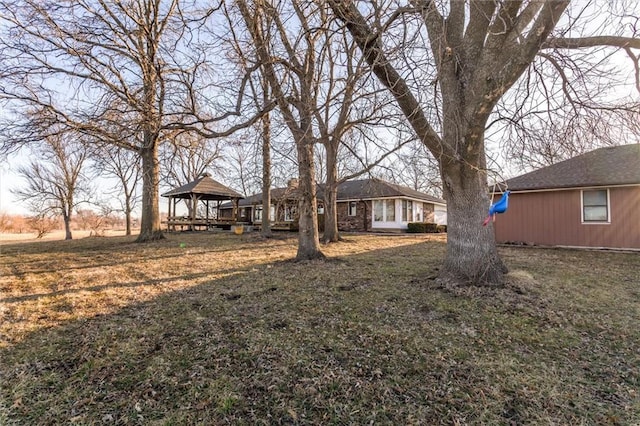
<point>203,189</point>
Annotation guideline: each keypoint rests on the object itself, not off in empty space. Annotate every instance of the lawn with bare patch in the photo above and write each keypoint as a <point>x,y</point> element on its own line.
<point>226,329</point>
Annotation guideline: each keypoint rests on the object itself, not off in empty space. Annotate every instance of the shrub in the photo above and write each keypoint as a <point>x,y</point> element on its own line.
<point>422,227</point>
<point>441,228</point>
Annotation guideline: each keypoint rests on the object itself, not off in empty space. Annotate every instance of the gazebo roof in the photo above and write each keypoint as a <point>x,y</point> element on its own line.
<point>204,188</point>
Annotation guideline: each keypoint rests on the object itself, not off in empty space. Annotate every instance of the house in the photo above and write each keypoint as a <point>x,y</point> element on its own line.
<point>362,205</point>
<point>592,200</point>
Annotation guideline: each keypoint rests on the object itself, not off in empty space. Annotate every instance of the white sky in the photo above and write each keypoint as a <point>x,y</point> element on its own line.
<point>9,180</point>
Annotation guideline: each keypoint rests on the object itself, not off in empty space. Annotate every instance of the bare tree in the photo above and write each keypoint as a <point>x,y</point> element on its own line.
<point>55,183</point>
<point>43,223</point>
<point>323,85</point>
<point>549,117</point>
<point>414,167</point>
<point>350,110</point>
<point>476,50</point>
<point>241,158</point>
<point>124,165</point>
<point>291,81</point>
<point>265,220</point>
<point>187,157</point>
<point>122,72</point>
<point>96,221</point>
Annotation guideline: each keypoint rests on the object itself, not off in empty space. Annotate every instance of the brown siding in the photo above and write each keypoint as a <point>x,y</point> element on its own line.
<point>554,218</point>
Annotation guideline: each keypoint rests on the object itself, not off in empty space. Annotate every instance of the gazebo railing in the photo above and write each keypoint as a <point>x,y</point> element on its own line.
<point>181,223</point>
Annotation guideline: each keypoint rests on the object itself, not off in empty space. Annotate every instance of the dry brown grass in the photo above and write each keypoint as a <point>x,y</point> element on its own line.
<point>225,329</point>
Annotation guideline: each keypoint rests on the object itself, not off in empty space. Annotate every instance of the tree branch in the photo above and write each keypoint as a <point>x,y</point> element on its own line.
<point>584,42</point>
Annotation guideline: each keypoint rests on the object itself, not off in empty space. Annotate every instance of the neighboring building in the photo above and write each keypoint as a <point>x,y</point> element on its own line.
<point>363,205</point>
<point>592,200</point>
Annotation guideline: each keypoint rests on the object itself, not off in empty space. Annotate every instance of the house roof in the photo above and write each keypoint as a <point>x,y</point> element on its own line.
<point>278,194</point>
<point>615,165</point>
<point>365,189</point>
<point>204,188</point>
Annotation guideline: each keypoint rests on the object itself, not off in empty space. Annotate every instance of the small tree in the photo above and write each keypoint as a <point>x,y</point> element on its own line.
<point>42,224</point>
<point>96,221</point>
<point>124,165</point>
<point>55,183</point>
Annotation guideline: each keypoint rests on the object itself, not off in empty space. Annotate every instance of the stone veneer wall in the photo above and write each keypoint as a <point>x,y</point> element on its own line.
<point>361,222</point>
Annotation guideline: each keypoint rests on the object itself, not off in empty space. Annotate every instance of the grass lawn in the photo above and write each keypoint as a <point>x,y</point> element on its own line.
<point>225,329</point>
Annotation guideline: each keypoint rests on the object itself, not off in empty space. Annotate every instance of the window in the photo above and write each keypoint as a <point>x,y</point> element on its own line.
<point>289,213</point>
<point>407,211</point>
<point>391,210</point>
<point>378,211</point>
<point>384,210</point>
<point>352,208</point>
<point>595,206</point>
<point>257,215</point>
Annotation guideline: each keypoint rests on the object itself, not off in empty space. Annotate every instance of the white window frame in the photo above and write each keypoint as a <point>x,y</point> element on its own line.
<point>582,206</point>
<point>382,202</point>
<point>353,208</point>
<point>385,212</point>
<point>408,213</point>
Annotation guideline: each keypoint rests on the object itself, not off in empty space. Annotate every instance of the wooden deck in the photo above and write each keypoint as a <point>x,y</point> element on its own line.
<point>198,224</point>
<point>181,223</point>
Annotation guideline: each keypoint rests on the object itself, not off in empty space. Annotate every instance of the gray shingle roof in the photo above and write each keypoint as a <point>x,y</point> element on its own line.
<point>375,188</point>
<point>276,194</point>
<point>616,165</point>
<point>365,189</point>
<point>205,188</point>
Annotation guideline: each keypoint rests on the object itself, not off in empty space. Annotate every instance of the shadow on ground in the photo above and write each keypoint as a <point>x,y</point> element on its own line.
<point>356,339</point>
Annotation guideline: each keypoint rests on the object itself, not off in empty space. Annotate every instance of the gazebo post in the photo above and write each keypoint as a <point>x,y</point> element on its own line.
<point>207,214</point>
<point>169,214</point>
<point>194,208</point>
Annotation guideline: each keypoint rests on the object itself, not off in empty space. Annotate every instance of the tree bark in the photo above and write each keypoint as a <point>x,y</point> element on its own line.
<point>66,217</point>
<point>266,174</point>
<point>472,255</point>
<point>150,221</point>
<point>331,233</point>
<point>308,235</point>
<point>127,215</point>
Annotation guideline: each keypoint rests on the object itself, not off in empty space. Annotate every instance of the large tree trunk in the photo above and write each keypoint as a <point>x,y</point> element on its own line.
<point>331,233</point>
<point>471,249</point>
<point>150,220</point>
<point>66,217</point>
<point>308,235</point>
<point>127,216</point>
<point>266,176</point>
